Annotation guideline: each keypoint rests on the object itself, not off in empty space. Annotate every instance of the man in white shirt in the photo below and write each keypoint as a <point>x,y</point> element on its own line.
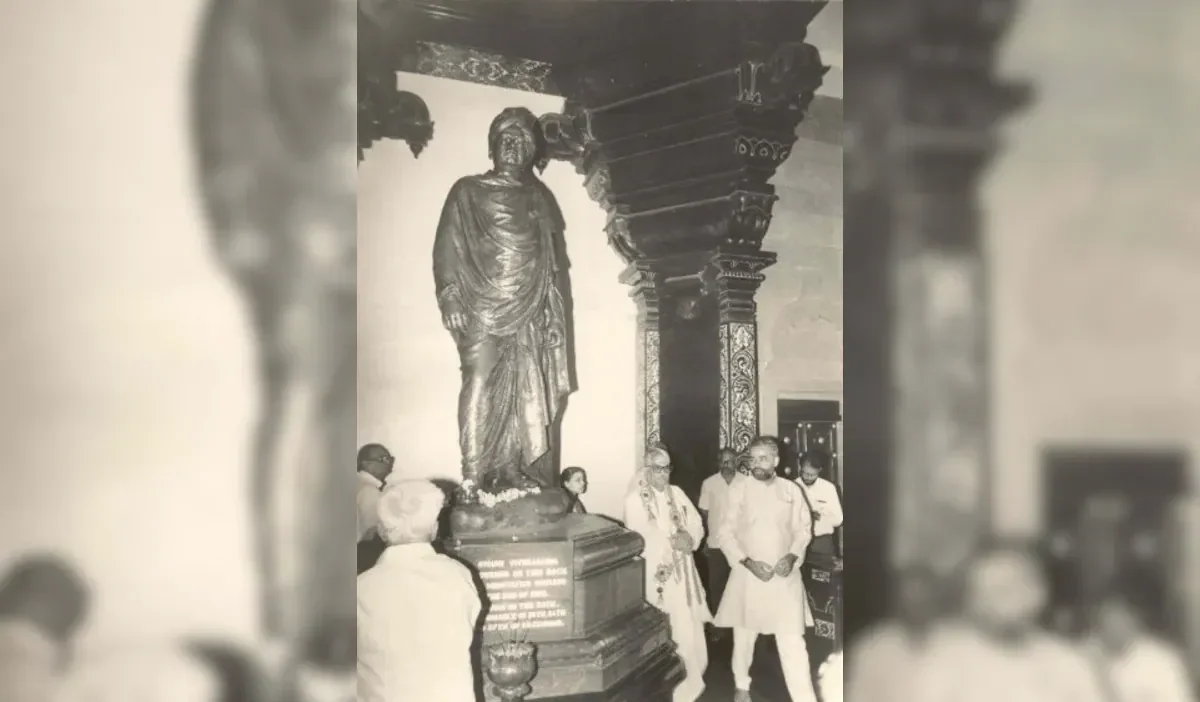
<point>1133,664</point>
<point>714,492</point>
<point>824,501</point>
<point>417,610</point>
<point>766,530</point>
<point>374,466</point>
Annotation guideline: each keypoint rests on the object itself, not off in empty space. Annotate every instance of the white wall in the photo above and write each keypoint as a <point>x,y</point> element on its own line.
<point>124,369</point>
<point>800,302</point>
<point>1092,230</point>
<point>1094,234</point>
<point>407,364</point>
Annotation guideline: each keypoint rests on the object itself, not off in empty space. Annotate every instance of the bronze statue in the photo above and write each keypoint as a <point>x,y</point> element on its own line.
<point>499,274</point>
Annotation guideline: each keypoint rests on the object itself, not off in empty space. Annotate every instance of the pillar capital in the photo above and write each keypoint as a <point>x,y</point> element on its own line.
<point>386,112</point>
<point>737,277</point>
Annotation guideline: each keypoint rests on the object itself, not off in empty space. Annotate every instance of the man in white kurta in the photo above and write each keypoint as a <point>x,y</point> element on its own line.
<point>670,525</point>
<point>765,532</point>
<point>417,609</point>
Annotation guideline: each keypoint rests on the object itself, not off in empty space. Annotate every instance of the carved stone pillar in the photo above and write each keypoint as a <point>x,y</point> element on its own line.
<point>645,295</point>
<point>737,279</point>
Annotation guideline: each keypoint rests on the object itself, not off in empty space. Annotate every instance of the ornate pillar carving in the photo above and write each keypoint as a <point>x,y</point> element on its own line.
<point>648,342</point>
<point>737,277</point>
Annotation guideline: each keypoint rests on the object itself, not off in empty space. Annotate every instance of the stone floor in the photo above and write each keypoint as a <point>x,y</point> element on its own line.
<point>768,683</point>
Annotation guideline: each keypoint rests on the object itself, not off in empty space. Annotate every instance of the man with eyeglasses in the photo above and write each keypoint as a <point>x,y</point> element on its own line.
<point>374,466</point>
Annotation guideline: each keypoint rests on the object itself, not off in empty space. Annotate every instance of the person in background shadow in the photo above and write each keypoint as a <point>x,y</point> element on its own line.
<point>714,493</point>
<point>43,603</point>
<point>417,609</point>
<point>575,482</point>
<point>824,501</point>
<point>1133,664</point>
<point>374,466</point>
<point>999,653</point>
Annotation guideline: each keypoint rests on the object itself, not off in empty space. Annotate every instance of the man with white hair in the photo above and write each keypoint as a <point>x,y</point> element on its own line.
<point>417,609</point>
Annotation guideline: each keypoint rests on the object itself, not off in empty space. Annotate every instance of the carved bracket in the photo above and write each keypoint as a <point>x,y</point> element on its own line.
<point>565,137</point>
<point>783,76</point>
<point>750,217</point>
<point>385,112</point>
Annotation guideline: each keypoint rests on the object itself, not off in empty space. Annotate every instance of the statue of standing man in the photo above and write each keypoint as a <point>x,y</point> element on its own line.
<point>498,278</point>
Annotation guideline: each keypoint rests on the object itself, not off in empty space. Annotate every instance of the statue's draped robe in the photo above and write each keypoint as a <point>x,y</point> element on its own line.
<point>496,253</point>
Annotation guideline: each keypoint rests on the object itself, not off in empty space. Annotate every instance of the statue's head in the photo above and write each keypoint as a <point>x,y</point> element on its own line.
<point>514,140</point>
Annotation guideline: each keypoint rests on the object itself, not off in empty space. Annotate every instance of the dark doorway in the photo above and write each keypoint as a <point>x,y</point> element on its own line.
<point>1111,519</point>
<point>811,425</point>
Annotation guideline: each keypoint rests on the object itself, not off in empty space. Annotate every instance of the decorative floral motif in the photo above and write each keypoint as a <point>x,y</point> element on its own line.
<point>723,434</point>
<point>759,148</point>
<point>738,384</point>
<point>474,66</point>
<point>651,398</point>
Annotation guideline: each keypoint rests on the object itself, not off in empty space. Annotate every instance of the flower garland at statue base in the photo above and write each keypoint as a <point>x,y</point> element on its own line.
<point>471,494</point>
<point>676,569</point>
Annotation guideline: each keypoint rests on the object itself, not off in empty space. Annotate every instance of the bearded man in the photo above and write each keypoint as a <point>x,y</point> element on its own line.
<point>498,276</point>
<point>764,533</point>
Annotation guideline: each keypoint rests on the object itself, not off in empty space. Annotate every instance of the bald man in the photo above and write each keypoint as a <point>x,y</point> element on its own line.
<point>374,466</point>
<point>417,609</point>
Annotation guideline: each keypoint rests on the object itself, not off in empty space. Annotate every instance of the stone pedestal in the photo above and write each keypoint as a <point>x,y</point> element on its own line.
<point>576,588</point>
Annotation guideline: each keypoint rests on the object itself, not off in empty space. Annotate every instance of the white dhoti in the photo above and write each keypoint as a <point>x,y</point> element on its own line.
<point>765,522</point>
<point>678,591</point>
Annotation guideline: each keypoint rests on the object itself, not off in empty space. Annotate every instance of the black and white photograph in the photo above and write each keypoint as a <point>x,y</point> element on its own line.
<point>617,307</point>
<point>600,266</point>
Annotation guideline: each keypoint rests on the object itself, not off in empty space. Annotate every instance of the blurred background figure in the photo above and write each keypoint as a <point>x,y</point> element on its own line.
<point>574,481</point>
<point>999,651</point>
<point>275,128</point>
<point>889,657</point>
<point>831,678</point>
<point>43,602</point>
<point>1133,664</point>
